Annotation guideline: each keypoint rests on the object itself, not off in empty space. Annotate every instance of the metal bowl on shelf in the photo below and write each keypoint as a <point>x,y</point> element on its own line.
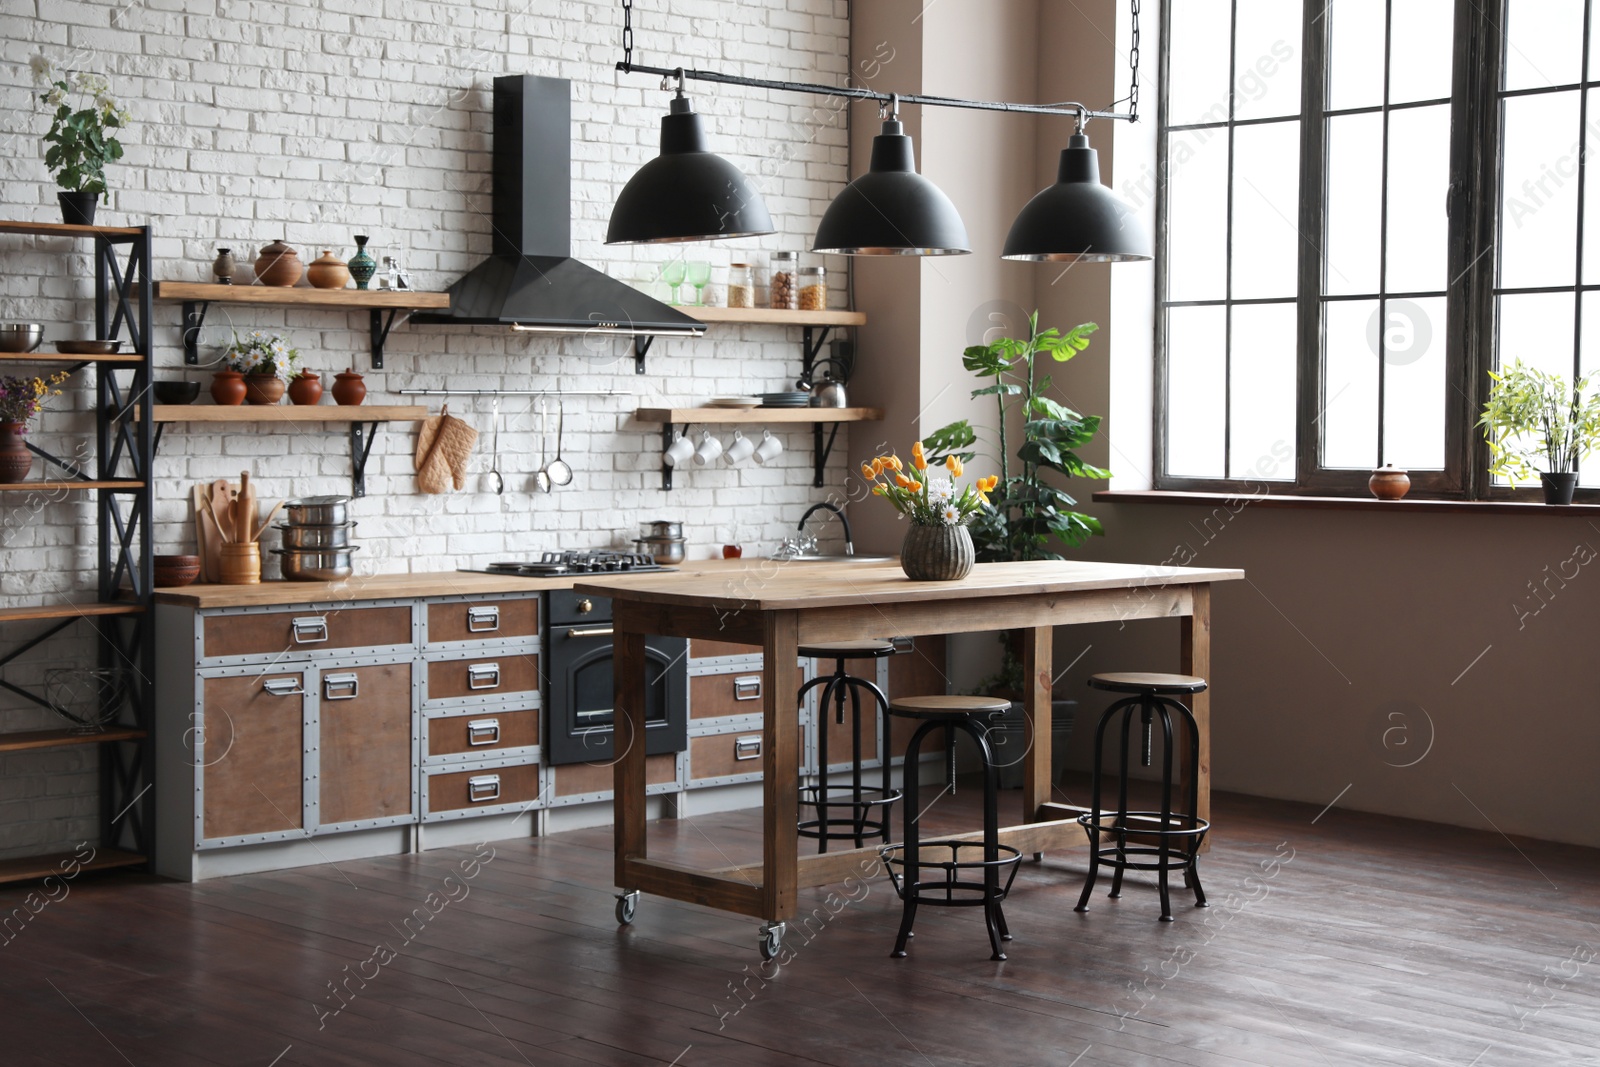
<point>317,538</point>
<point>20,336</point>
<point>316,565</point>
<point>318,511</point>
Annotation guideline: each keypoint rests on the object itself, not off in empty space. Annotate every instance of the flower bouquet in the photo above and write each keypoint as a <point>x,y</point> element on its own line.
<point>938,546</point>
<point>266,361</point>
<point>20,401</point>
<point>78,146</point>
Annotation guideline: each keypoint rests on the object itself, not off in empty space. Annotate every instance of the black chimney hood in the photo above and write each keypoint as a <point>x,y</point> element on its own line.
<point>531,282</point>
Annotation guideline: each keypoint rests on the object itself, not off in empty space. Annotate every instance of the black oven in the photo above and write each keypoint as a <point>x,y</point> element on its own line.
<point>579,683</point>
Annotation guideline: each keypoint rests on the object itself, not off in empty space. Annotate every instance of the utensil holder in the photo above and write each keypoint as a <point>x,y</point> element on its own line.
<point>240,563</point>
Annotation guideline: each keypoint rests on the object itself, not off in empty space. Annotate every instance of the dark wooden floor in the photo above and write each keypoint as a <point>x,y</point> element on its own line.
<point>1353,939</point>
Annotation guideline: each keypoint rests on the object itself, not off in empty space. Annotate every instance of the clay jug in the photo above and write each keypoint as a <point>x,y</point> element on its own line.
<point>227,388</point>
<point>328,272</point>
<point>306,389</point>
<point>278,265</point>
<point>348,388</point>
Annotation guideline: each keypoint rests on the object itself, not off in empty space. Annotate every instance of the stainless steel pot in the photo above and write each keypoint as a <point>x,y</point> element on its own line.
<point>663,549</point>
<point>318,511</point>
<point>312,565</point>
<point>661,530</point>
<point>317,537</point>
<point>20,336</point>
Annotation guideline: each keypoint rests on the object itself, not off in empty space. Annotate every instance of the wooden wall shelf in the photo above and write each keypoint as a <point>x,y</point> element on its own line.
<point>77,361</point>
<point>672,419</point>
<point>197,298</point>
<point>32,868</point>
<point>363,419</point>
<point>71,483</point>
<point>26,740</point>
<point>774,316</point>
<point>46,612</point>
<point>62,229</point>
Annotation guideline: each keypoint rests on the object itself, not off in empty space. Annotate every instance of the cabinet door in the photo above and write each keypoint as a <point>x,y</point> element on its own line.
<point>251,761</point>
<point>364,745</point>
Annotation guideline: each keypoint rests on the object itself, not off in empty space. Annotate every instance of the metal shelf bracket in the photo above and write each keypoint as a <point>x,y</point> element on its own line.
<point>362,434</point>
<point>380,332</point>
<point>820,452</point>
<point>667,430</point>
<point>194,317</point>
<point>641,346</point>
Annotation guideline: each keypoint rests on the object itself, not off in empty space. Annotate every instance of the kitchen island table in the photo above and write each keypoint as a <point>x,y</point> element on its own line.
<point>783,606</point>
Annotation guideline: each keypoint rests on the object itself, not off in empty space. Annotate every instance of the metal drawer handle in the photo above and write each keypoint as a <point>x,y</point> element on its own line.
<point>340,687</point>
<point>746,748</point>
<point>598,631</point>
<point>903,644</point>
<point>310,630</point>
<point>483,788</point>
<point>483,676</point>
<point>483,619</point>
<point>483,732</point>
<point>747,688</point>
<point>284,687</point>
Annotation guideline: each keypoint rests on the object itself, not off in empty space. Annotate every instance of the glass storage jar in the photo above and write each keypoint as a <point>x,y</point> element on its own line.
<point>781,283</point>
<point>812,284</point>
<point>741,286</point>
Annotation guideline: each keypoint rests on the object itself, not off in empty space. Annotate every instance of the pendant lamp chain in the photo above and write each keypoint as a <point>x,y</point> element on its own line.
<point>627,32</point>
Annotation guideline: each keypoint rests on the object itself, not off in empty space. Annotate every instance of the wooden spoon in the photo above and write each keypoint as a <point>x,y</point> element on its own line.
<point>221,505</point>
<point>268,520</point>
<point>226,532</point>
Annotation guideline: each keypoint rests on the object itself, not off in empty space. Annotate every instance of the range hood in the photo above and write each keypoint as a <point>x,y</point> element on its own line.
<point>531,282</point>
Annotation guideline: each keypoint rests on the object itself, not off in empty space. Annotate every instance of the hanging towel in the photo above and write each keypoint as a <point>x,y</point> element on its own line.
<point>444,444</point>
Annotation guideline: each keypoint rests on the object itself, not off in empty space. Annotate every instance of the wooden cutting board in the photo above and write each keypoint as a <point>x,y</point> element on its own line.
<point>208,538</point>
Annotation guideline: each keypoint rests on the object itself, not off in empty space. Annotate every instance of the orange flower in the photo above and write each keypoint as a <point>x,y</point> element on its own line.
<point>866,471</point>
<point>877,466</point>
<point>953,464</point>
<point>986,485</point>
<point>903,482</point>
<point>918,460</point>
<point>892,463</point>
<point>879,490</point>
<point>915,487</point>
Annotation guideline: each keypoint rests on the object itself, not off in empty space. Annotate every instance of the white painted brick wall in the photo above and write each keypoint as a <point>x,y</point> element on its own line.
<point>315,121</point>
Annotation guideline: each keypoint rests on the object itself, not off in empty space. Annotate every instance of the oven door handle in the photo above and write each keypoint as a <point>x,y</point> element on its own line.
<point>598,631</point>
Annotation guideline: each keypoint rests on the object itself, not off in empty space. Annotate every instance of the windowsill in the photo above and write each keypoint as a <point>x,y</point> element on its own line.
<point>1341,503</point>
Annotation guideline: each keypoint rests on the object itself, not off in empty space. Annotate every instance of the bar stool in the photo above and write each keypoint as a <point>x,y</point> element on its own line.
<point>862,801</point>
<point>949,889</point>
<point>1165,840</point>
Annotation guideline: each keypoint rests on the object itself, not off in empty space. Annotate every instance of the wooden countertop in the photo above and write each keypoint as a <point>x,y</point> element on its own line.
<point>769,585</point>
<point>395,586</point>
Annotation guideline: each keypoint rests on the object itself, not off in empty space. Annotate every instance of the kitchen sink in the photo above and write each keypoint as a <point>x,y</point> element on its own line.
<point>833,558</point>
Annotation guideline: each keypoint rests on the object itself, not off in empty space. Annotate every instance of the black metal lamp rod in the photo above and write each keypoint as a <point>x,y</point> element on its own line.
<point>683,73</point>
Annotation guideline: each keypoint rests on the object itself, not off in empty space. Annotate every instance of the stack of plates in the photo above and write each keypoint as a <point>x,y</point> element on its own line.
<point>785,400</point>
<point>733,402</point>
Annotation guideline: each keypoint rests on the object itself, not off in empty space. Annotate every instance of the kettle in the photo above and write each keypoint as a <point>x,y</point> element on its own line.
<point>828,393</point>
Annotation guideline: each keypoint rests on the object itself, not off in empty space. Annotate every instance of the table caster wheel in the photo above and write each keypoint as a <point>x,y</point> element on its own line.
<point>627,907</point>
<point>772,940</point>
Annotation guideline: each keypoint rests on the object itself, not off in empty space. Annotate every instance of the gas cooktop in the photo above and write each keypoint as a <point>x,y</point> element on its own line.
<point>553,564</point>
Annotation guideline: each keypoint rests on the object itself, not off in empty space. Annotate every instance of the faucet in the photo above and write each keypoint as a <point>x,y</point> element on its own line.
<point>849,544</point>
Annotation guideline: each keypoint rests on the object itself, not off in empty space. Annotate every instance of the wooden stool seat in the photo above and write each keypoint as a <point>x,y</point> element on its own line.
<point>941,706</point>
<point>848,650</point>
<point>1147,682</point>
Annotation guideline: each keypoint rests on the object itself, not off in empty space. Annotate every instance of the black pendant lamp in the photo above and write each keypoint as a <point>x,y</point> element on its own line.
<point>1077,219</point>
<point>687,193</point>
<point>892,210</point>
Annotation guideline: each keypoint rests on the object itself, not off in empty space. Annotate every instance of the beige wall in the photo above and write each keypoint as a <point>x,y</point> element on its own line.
<point>1339,662</point>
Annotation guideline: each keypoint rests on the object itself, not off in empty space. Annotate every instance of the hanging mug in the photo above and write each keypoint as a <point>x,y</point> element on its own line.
<point>679,451</point>
<point>710,448</point>
<point>740,450</point>
<point>769,448</point>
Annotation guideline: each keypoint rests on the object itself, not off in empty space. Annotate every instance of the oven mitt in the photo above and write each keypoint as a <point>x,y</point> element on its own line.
<point>444,444</point>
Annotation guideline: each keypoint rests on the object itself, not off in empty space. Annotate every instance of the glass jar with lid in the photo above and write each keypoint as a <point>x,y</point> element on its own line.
<point>781,283</point>
<point>741,286</point>
<point>812,286</point>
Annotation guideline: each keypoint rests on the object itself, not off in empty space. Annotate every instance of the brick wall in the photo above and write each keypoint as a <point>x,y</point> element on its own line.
<point>315,121</point>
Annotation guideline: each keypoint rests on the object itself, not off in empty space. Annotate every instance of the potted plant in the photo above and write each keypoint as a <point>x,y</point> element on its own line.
<point>937,546</point>
<point>1536,424</point>
<point>1026,511</point>
<point>77,145</point>
<point>20,401</point>
<point>267,363</point>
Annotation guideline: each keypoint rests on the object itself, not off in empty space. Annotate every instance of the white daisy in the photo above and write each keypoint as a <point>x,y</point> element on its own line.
<point>950,515</point>
<point>43,70</point>
<point>940,490</point>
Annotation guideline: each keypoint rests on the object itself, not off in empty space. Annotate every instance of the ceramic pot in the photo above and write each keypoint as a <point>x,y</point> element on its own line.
<point>1389,482</point>
<point>227,388</point>
<point>937,553</point>
<point>263,388</point>
<point>15,459</point>
<point>348,388</point>
<point>1558,487</point>
<point>362,266</point>
<point>306,389</point>
<point>279,265</point>
<point>239,563</point>
<point>328,272</point>
<point>77,209</point>
<point>223,267</point>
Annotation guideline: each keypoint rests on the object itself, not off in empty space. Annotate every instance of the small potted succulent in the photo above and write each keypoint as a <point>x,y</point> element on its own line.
<point>1536,424</point>
<point>78,145</point>
<point>20,401</point>
<point>938,546</point>
<point>267,363</point>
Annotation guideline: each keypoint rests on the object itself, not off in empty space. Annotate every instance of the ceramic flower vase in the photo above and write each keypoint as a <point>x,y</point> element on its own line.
<point>263,388</point>
<point>15,459</point>
<point>227,388</point>
<point>362,266</point>
<point>937,553</point>
<point>306,389</point>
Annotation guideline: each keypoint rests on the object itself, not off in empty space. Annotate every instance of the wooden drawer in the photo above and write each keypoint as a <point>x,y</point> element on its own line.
<point>482,620</point>
<point>483,676</point>
<point>480,788</point>
<point>487,733</point>
<point>306,631</point>
<point>575,778</point>
<point>699,648</point>
<point>721,755</point>
<point>738,693</point>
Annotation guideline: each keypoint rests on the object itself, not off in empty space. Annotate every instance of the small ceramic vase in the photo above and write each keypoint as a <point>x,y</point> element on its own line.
<point>348,388</point>
<point>264,388</point>
<point>15,459</point>
<point>227,388</point>
<point>1389,482</point>
<point>224,266</point>
<point>328,272</point>
<point>362,266</point>
<point>279,266</point>
<point>306,389</point>
<point>937,553</point>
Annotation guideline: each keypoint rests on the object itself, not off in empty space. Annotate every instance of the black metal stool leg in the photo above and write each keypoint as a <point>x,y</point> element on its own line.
<point>913,839</point>
<point>1163,866</point>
